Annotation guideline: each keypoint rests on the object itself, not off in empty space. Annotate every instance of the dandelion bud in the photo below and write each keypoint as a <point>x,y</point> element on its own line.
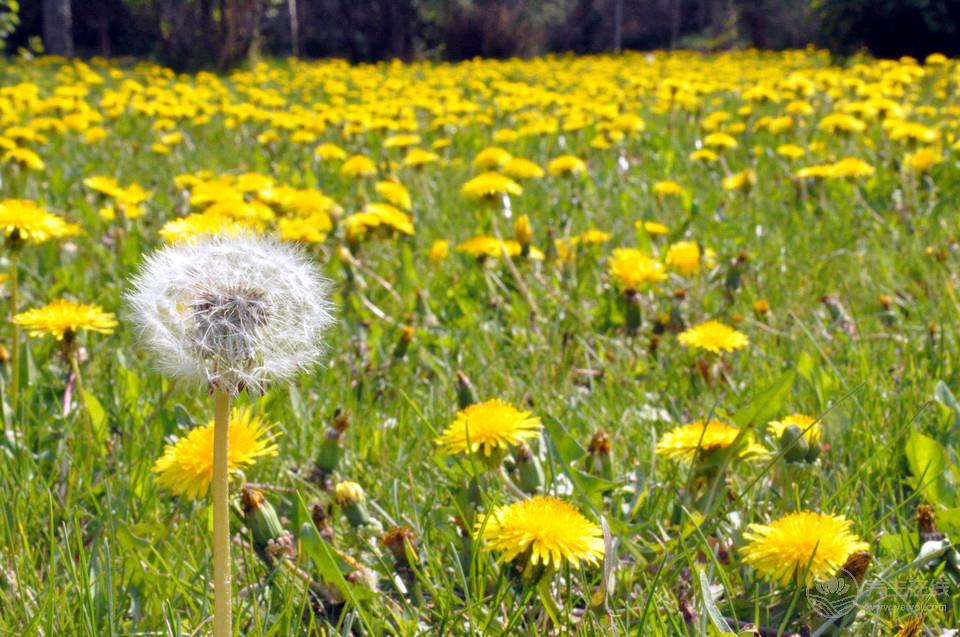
<point>403,343</point>
<point>232,313</point>
<point>793,444</point>
<point>423,310</point>
<point>466,395</point>
<point>761,307</point>
<point>601,455</point>
<point>270,541</point>
<point>529,471</point>
<point>350,497</point>
<point>523,233</point>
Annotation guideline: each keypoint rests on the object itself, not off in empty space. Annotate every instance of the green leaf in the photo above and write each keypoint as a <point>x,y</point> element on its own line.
<point>710,605</point>
<point>929,461</point>
<point>945,397</point>
<point>98,416</point>
<point>767,403</point>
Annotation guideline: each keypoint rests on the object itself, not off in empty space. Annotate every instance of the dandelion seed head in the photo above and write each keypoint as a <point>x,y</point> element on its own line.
<point>231,312</point>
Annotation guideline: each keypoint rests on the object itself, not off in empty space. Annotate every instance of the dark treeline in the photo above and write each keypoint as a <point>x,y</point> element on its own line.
<point>218,33</point>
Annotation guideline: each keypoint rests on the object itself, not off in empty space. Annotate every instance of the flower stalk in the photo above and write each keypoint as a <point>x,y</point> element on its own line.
<point>15,333</point>
<point>221,516</point>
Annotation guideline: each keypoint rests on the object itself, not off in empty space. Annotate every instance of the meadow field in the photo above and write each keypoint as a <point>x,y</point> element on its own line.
<point>650,344</point>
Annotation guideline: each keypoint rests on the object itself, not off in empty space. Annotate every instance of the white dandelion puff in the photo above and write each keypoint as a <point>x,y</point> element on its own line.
<point>231,312</point>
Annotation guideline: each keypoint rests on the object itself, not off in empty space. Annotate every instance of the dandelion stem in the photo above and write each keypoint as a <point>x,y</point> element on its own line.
<point>78,386</point>
<point>221,516</point>
<point>549,603</point>
<point>15,335</point>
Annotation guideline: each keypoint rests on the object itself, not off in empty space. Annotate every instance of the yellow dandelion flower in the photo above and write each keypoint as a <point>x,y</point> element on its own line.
<point>791,151</point>
<point>807,424</point>
<point>491,158</point>
<point>743,180</point>
<point>685,441</point>
<point>312,229</point>
<point>566,166</point>
<point>705,155</point>
<point>24,220</point>
<point>417,157</point>
<point>683,257</point>
<point>186,466</point>
<point>401,141</point>
<point>667,188</point>
<point>439,250</point>
<point>395,193</point>
<point>720,140</point>
<point>485,246</point>
<point>191,227</point>
<point>329,151</point>
<point>800,548</point>
<point>520,168</point>
<point>631,268</point>
<point>64,318</point>
<point>544,531</point>
<point>852,167</point>
<point>653,228</point>
<point>487,427</point>
<point>922,160</point>
<point>714,336</point>
<point>25,157</point>
<point>358,166</point>
<point>489,185</point>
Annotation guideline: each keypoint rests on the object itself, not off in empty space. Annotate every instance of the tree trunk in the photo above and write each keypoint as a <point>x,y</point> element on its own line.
<point>58,27</point>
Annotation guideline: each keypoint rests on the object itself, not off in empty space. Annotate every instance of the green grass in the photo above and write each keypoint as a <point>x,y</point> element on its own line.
<point>90,545</point>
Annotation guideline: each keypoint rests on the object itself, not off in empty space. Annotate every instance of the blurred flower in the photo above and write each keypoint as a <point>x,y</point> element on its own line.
<point>684,257</point>
<point>566,166</point>
<point>439,250</point>
<point>24,220</point>
<point>358,166</point>
<point>491,158</point>
<point>491,185</point>
<point>664,189</point>
<point>631,268</point>
<point>714,336</point>
<point>743,180</point>
<point>63,318</point>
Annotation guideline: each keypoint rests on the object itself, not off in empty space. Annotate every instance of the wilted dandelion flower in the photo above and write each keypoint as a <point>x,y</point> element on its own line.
<point>631,268</point>
<point>231,313</point>
<point>542,531</point>
<point>912,628</point>
<point>488,427</point>
<point>714,336</point>
<point>64,318</point>
<point>801,547</point>
<point>186,466</point>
